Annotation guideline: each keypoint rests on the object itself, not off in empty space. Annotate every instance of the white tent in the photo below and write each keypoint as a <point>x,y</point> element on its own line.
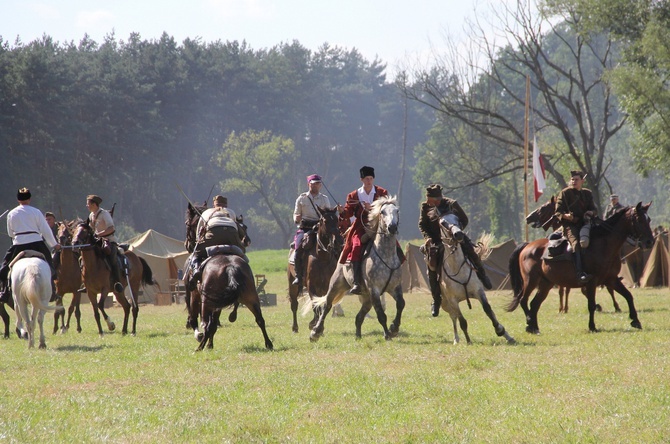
<point>164,255</point>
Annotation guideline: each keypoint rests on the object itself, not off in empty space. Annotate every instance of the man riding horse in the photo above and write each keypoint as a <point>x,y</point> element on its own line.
<point>306,215</point>
<point>575,209</point>
<point>102,224</point>
<point>217,226</point>
<point>29,231</point>
<point>433,249</point>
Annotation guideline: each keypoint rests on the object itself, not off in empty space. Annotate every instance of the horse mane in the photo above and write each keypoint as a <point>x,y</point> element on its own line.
<point>376,209</point>
<point>483,246</point>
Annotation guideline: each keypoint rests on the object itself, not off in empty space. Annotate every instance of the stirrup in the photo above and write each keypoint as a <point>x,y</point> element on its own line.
<point>118,287</point>
<point>356,289</point>
<point>584,278</point>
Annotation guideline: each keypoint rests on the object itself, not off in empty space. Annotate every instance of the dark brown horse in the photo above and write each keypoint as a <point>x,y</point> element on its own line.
<point>544,217</point>
<point>96,275</point>
<point>69,278</point>
<point>326,246</point>
<point>227,280</point>
<point>529,271</point>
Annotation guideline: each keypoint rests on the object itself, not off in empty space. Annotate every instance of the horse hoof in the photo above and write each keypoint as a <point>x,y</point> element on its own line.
<point>598,308</point>
<point>295,329</point>
<point>232,317</point>
<point>111,326</point>
<point>43,346</point>
<point>533,331</point>
<point>199,337</point>
<point>636,324</point>
<point>511,340</point>
<point>269,346</point>
<point>314,337</point>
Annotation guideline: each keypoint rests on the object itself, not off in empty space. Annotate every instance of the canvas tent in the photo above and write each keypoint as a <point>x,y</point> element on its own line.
<point>164,255</point>
<point>655,273</point>
<point>414,271</point>
<point>497,265</point>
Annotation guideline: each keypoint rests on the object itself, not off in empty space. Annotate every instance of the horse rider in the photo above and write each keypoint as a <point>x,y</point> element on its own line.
<point>433,248</point>
<point>51,221</point>
<point>29,231</point>
<point>102,225</point>
<point>575,208</point>
<point>217,226</point>
<point>613,206</point>
<point>306,214</point>
<point>356,210</point>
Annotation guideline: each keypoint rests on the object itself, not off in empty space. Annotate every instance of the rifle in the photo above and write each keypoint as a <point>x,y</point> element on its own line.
<point>111,212</point>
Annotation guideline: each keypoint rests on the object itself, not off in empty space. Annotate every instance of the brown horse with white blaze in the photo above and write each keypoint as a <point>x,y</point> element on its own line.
<point>96,275</point>
<point>528,269</point>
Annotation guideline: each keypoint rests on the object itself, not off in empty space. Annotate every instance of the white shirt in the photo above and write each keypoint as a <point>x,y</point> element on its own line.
<point>101,221</point>
<point>217,217</point>
<point>364,197</point>
<point>31,221</point>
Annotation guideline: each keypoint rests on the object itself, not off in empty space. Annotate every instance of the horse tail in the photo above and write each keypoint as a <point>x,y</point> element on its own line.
<point>147,274</point>
<point>515,277</point>
<point>36,285</point>
<point>237,283</point>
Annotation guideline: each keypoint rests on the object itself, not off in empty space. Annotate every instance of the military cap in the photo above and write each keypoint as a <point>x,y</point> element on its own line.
<point>95,199</point>
<point>367,171</point>
<point>434,190</point>
<point>23,194</point>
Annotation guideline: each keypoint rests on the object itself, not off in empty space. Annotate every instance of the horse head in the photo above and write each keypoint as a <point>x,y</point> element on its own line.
<point>83,234</point>
<point>640,224</point>
<point>383,216</point>
<point>328,229</point>
<point>543,216</point>
<point>192,218</point>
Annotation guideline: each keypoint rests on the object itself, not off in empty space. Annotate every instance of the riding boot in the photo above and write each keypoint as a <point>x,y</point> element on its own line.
<point>357,267</point>
<point>298,265</point>
<point>582,277</point>
<point>5,292</point>
<point>197,273</point>
<point>435,292</point>
<point>116,273</point>
<point>470,253</point>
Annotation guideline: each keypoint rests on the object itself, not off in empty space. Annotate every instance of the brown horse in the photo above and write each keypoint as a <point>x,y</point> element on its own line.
<point>96,275</point>
<point>544,217</point>
<point>323,254</point>
<point>69,278</point>
<point>528,270</point>
<point>227,280</point>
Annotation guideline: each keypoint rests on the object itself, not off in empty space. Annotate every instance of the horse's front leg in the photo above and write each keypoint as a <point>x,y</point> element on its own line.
<point>135,309</point>
<point>591,298</point>
<point>376,300</point>
<point>499,328</point>
<point>366,306</point>
<point>399,306</point>
<point>206,322</point>
<point>617,309</point>
<point>620,288</point>
<point>96,311</point>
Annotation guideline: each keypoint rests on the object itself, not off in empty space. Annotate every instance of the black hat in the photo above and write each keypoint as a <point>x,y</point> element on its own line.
<point>434,190</point>
<point>220,201</point>
<point>23,194</point>
<point>367,171</point>
<point>95,199</point>
<point>577,173</point>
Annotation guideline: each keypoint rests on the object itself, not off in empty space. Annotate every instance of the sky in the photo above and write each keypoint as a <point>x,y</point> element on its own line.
<point>395,31</point>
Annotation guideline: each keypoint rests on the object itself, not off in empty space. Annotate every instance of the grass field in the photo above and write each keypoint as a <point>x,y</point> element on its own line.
<point>565,385</point>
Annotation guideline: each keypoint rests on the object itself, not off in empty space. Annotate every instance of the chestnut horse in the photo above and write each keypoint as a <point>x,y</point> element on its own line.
<point>321,262</point>
<point>69,278</point>
<point>96,275</point>
<point>529,271</point>
<point>227,280</point>
<point>544,217</point>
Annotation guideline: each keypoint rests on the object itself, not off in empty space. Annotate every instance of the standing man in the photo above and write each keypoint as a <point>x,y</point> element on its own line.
<point>434,250</point>
<point>29,231</point>
<point>103,227</point>
<point>356,209</point>
<point>306,215</point>
<point>51,221</point>
<point>574,208</point>
<point>613,206</point>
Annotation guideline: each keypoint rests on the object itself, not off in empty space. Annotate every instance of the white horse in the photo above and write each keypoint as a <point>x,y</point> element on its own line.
<point>381,274</point>
<point>459,282</point>
<point>31,284</point>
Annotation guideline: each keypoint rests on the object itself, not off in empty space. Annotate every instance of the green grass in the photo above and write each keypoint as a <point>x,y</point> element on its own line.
<point>566,385</point>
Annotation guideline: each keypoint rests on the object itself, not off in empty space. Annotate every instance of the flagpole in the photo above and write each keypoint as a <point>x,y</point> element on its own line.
<point>525,152</point>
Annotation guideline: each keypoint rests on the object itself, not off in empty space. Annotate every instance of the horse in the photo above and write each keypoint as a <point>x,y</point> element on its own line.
<point>31,284</point>
<point>528,270</point>
<point>544,217</point>
<point>459,282</point>
<point>96,275</point>
<point>69,277</point>
<point>227,280</point>
<point>381,274</point>
<point>322,258</point>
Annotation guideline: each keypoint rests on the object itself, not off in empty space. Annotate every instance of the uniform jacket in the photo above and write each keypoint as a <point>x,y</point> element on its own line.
<point>577,202</point>
<point>354,208</point>
<point>446,205</point>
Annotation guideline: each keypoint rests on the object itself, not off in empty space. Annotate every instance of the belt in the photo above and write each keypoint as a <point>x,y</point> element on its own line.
<point>26,232</point>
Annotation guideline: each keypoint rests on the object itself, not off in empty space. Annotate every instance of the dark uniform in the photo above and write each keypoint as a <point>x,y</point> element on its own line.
<point>613,207</point>
<point>574,208</point>
<point>433,236</point>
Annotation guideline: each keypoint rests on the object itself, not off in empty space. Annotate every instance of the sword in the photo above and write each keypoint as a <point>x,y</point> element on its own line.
<point>189,200</point>
<point>3,214</point>
<point>324,184</point>
<point>74,247</point>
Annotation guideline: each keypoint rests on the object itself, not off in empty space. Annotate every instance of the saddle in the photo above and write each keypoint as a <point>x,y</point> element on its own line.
<point>557,249</point>
<point>26,254</point>
<point>216,250</point>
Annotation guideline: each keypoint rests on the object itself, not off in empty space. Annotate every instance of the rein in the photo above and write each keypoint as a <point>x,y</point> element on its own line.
<point>449,242</point>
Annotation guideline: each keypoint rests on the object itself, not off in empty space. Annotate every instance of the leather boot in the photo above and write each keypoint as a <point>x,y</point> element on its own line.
<point>5,293</point>
<point>357,268</point>
<point>435,292</point>
<point>582,277</point>
<point>471,254</point>
<point>298,266</point>
<point>197,273</point>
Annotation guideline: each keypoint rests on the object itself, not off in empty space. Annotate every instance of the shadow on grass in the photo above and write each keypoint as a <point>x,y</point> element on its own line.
<point>81,348</point>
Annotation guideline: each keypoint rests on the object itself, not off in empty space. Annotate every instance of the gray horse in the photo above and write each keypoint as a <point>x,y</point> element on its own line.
<point>381,274</point>
<point>459,282</point>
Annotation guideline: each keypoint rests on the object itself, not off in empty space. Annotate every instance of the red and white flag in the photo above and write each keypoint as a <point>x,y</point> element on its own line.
<point>538,171</point>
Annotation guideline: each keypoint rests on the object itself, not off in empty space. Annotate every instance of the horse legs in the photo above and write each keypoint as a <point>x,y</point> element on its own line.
<point>121,299</point>
<point>499,328</point>
<point>209,327</point>
<point>293,296</point>
<point>563,292</point>
<point>232,317</point>
<point>255,308</point>
<point>40,321</point>
<point>366,306</point>
<point>5,319</point>
<point>531,318</point>
<point>96,312</point>
<point>74,307</point>
<point>617,309</point>
<point>620,288</point>
<point>59,313</point>
<point>399,306</point>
